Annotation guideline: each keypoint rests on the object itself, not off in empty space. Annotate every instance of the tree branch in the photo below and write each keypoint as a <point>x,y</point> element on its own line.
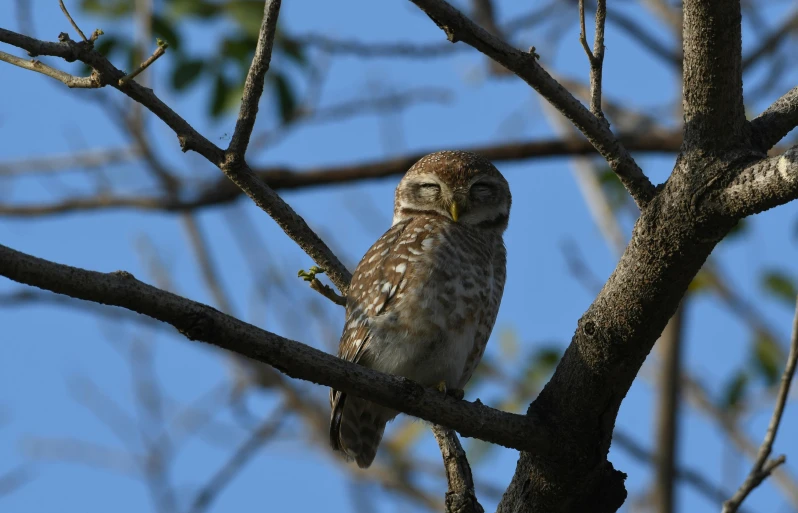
<point>460,498</point>
<point>459,28</point>
<point>70,81</point>
<point>765,184</point>
<point>777,121</point>
<point>763,466</point>
<point>253,86</point>
<point>240,173</point>
<point>286,178</point>
<point>206,324</point>
<point>596,57</point>
<point>714,113</point>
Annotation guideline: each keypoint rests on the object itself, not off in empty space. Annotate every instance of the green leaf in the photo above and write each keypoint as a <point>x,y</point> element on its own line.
<point>186,72</point>
<point>286,100</point>
<point>240,49</point>
<point>247,13</point>
<point>163,29</point>
<point>110,8</point>
<point>767,359</point>
<point>292,48</point>
<point>198,8</point>
<point>508,344</point>
<point>616,192</point>
<point>225,95</point>
<point>221,89</point>
<point>735,390</point>
<point>700,283</point>
<point>106,45</point>
<point>780,286</point>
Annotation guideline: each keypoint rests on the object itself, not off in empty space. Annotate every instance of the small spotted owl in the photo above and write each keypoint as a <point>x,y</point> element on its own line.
<point>423,300</point>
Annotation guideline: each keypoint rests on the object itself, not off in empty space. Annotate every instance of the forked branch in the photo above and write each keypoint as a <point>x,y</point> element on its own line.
<point>764,466</point>
<point>460,498</point>
<point>596,57</point>
<point>240,173</point>
<point>524,64</point>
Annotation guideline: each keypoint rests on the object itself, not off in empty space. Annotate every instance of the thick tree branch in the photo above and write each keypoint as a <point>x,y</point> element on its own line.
<point>777,121</point>
<point>765,184</point>
<point>200,322</point>
<point>460,498</point>
<point>763,466</point>
<point>524,64</point>
<point>253,87</point>
<point>714,113</point>
<point>239,172</point>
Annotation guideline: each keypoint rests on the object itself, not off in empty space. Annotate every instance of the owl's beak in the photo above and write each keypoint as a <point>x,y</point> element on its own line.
<point>454,210</point>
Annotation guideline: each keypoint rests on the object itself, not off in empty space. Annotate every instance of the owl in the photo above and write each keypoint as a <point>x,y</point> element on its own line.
<point>423,300</point>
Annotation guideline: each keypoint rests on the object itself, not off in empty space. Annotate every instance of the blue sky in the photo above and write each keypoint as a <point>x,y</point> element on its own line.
<point>44,348</point>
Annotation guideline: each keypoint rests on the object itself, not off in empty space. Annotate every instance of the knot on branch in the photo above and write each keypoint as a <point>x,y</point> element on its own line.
<point>196,326</point>
<point>607,491</point>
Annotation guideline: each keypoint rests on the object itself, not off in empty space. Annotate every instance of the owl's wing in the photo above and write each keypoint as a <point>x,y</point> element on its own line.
<point>376,282</point>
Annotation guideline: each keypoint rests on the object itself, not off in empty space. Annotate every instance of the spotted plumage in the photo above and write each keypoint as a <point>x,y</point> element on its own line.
<point>424,298</point>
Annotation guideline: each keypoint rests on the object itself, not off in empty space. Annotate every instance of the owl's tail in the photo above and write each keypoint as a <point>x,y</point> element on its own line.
<point>356,427</point>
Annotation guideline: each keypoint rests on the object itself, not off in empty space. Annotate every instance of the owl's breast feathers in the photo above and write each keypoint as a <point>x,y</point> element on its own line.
<point>425,278</point>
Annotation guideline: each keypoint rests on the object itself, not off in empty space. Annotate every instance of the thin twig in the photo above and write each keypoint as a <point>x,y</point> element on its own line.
<point>595,57</point>
<point>583,32</point>
<point>240,457</point>
<point>162,46</point>
<point>69,17</point>
<point>70,81</point>
<point>763,466</point>
<point>328,292</point>
<point>460,498</point>
<point>253,87</point>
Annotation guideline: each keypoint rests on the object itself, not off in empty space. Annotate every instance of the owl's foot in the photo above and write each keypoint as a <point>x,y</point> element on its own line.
<point>457,393</point>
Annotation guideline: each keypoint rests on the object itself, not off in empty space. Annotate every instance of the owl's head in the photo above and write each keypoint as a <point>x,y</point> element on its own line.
<point>462,187</point>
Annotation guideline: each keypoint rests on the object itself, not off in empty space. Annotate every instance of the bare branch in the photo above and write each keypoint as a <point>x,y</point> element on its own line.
<point>777,121</point>
<point>253,87</point>
<point>55,163</point>
<point>688,476</point>
<point>770,43</point>
<point>596,57</point>
<point>714,113</point>
<point>668,409</point>
<point>69,17</point>
<point>70,81</point>
<point>763,466</point>
<point>700,399</point>
<point>374,49</point>
<point>762,185</point>
<point>200,322</point>
<point>460,498</point>
<point>162,46</point>
<point>239,458</point>
<point>459,28</point>
<point>240,173</point>
<point>285,178</point>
